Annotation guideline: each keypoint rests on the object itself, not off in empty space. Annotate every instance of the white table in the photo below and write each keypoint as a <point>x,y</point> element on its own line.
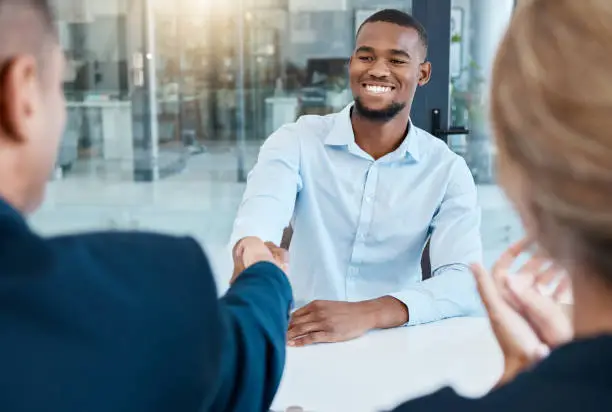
<point>386,368</point>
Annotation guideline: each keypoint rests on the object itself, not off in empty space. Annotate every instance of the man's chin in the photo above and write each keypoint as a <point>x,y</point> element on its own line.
<point>378,112</point>
<point>375,108</point>
<point>374,103</point>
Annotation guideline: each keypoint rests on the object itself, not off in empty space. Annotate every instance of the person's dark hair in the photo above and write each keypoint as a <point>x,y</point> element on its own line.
<point>400,18</point>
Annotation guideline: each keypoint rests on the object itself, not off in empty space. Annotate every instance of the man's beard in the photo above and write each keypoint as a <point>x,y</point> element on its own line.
<point>383,115</point>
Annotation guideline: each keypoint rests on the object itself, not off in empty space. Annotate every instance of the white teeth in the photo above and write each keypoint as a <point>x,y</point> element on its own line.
<point>378,89</point>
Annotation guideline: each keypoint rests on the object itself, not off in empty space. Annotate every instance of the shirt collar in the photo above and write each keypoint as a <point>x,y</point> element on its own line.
<point>341,134</point>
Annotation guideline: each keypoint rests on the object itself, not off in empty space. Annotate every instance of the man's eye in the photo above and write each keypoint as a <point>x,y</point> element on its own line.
<point>395,61</point>
<point>366,58</point>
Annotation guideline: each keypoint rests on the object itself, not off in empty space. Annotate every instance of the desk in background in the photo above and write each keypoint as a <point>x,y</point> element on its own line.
<point>108,121</point>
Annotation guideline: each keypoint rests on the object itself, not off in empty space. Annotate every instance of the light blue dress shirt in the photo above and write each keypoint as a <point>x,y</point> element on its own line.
<point>360,225</point>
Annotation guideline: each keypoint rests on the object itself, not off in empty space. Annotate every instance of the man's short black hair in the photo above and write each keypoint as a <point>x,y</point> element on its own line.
<point>401,19</point>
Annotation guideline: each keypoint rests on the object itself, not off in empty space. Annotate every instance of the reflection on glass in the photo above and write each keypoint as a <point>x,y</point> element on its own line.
<point>476,29</point>
<point>96,84</point>
<point>294,62</point>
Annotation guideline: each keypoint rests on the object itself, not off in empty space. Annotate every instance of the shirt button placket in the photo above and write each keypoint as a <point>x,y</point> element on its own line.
<point>365,219</point>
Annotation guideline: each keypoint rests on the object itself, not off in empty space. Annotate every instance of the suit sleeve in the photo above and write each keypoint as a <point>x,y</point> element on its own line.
<point>254,315</point>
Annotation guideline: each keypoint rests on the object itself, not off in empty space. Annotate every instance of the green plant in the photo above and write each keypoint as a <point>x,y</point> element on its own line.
<point>467,94</point>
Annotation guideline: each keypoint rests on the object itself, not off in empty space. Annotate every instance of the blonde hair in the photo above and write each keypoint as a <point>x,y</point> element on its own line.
<point>551,106</point>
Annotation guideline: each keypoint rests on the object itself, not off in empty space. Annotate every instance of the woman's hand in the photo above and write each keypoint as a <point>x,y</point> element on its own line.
<point>527,322</point>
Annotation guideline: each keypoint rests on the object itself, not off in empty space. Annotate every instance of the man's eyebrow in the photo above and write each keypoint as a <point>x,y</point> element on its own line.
<point>365,49</point>
<point>398,52</point>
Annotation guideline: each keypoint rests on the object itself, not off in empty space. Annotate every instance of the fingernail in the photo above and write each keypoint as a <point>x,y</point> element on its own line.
<point>291,343</point>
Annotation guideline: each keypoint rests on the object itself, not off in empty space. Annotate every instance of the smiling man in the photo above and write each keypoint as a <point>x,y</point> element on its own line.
<point>364,190</point>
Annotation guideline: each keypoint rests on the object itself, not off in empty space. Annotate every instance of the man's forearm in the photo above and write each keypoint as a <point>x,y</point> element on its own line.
<point>449,293</point>
<point>390,312</point>
<point>386,312</point>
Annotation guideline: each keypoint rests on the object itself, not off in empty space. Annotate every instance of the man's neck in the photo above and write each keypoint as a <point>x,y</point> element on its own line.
<point>592,312</point>
<point>14,187</point>
<point>380,138</point>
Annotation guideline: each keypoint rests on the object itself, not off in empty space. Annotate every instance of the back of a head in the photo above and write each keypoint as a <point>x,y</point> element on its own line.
<point>552,114</point>
<point>31,99</point>
<point>26,27</point>
<point>40,11</point>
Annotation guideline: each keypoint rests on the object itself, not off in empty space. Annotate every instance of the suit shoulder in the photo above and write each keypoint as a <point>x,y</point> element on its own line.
<point>158,270</point>
<point>117,239</point>
<point>162,252</point>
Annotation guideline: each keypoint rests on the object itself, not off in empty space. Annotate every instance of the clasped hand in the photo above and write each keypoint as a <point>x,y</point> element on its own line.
<point>252,250</point>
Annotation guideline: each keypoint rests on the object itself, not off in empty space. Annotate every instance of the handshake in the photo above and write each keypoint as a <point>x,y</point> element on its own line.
<point>252,250</point>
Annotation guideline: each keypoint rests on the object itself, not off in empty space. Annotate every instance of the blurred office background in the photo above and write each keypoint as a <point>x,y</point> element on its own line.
<point>169,102</point>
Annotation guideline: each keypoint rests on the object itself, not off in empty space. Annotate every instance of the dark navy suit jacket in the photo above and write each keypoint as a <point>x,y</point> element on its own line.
<point>132,322</point>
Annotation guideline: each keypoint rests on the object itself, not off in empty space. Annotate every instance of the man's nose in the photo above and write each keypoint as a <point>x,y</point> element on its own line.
<point>379,69</point>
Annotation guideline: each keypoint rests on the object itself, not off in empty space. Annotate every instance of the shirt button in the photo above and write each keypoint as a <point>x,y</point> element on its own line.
<point>361,236</point>
<point>368,199</point>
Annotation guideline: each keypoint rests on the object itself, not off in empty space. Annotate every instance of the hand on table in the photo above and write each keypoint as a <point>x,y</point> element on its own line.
<point>526,323</point>
<point>252,250</point>
<point>328,321</point>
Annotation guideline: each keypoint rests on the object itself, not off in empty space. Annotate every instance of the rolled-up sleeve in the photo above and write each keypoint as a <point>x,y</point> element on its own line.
<point>272,187</point>
<point>455,244</point>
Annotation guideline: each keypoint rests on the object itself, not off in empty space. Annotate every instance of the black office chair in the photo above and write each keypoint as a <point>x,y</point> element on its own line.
<point>425,257</point>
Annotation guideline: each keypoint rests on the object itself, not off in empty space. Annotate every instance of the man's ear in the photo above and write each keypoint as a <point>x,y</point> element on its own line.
<point>18,92</point>
<point>424,73</point>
